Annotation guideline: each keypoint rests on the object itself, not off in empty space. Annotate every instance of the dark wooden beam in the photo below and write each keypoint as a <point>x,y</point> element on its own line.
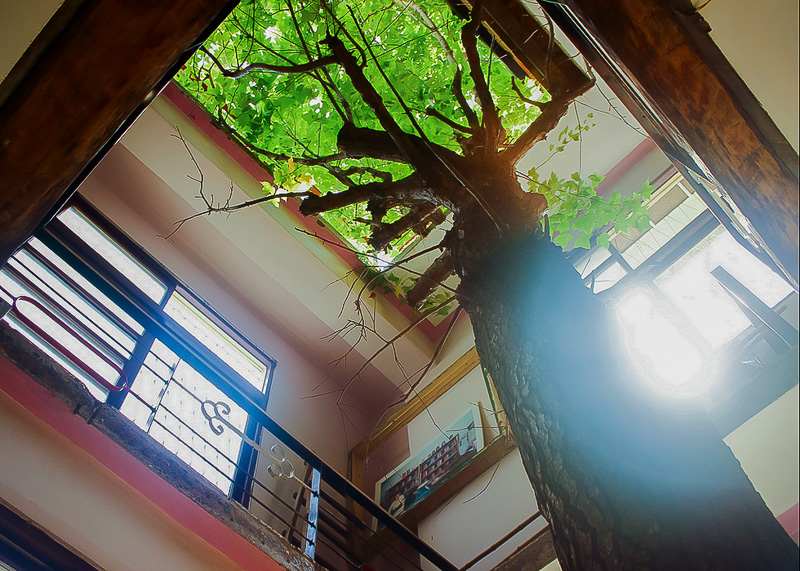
<point>105,61</point>
<point>534,554</point>
<point>685,95</point>
<point>521,35</point>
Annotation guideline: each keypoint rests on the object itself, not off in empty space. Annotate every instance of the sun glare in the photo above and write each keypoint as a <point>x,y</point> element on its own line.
<point>672,338</point>
<point>665,357</point>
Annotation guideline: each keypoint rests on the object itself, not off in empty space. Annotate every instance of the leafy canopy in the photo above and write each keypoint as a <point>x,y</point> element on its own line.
<point>298,115</point>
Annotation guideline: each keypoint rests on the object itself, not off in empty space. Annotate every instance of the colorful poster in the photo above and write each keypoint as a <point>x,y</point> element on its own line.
<point>429,468</point>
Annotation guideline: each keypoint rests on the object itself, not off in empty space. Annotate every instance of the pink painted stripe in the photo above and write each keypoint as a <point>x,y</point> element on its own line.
<point>790,519</point>
<point>48,408</point>
<point>204,122</point>
<point>625,166</point>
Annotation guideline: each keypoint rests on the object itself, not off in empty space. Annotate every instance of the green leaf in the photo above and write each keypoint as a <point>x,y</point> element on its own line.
<point>604,240</point>
<point>642,223</point>
<point>585,223</point>
<point>647,190</point>
<point>563,239</point>
<point>595,179</point>
<point>583,241</point>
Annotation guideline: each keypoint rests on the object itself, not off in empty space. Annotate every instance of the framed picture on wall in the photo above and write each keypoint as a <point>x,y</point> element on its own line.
<point>409,483</point>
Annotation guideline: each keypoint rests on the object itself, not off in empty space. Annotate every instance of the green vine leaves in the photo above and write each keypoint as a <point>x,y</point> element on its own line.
<point>577,213</point>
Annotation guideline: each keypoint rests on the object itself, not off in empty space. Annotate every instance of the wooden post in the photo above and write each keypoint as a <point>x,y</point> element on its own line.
<point>675,81</point>
<point>103,64</point>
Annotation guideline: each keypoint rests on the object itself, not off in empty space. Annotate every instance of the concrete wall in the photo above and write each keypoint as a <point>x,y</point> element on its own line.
<point>64,490</point>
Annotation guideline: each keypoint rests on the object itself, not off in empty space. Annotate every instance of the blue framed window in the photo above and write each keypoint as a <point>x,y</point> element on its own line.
<point>97,297</point>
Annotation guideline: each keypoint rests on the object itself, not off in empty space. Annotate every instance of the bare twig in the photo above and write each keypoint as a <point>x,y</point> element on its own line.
<point>228,207</point>
<point>393,264</point>
<point>431,361</point>
<point>391,342</point>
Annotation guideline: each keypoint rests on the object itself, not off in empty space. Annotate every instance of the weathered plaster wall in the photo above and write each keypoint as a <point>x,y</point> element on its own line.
<point>64,490</point>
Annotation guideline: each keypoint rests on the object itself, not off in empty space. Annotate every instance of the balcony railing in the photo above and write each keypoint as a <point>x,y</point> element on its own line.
<point>197,405</point>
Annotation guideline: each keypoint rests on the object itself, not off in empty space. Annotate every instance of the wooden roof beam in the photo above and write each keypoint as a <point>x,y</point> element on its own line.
<point>106,58</point>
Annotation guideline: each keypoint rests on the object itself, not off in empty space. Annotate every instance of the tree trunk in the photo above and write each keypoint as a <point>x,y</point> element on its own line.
<point>626,482</point>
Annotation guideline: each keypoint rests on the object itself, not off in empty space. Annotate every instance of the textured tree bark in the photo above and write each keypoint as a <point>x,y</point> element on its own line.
<point>626,482</point>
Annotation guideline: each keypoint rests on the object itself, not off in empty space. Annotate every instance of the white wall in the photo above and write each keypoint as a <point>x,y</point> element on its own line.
<point>760,39</point>
<point>20,22</point>
<point>65,491</point>
<point>768,447</point>
<point>482,513</point>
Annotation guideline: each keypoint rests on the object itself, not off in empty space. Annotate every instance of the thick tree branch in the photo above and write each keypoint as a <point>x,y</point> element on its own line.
<point>358,170</point>
<point>431,221</point>
<point>376,103</point>
<point>270,68</point>
<point>552,111</point>
<point>458,93</point>
<point>527,100</point>
<point>403,104</point>
<point>360,142</point>
<point>410,188</point>
<point>491,119</point>
<point>383,234</point>
<point>441,269</point>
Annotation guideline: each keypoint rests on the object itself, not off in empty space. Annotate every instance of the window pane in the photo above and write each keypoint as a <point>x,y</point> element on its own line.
<point>660,347</point>
<point>219,342</point>
<point>137,411</point>
<point>181,427</point>
<point>79,307</point>
<point>589,261</point>
<point>85,285</point>
<point>691,287</point>
<point>149,386</point>
<point>608,277</point>
<point>115,255</point>
<point>663,231</point>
